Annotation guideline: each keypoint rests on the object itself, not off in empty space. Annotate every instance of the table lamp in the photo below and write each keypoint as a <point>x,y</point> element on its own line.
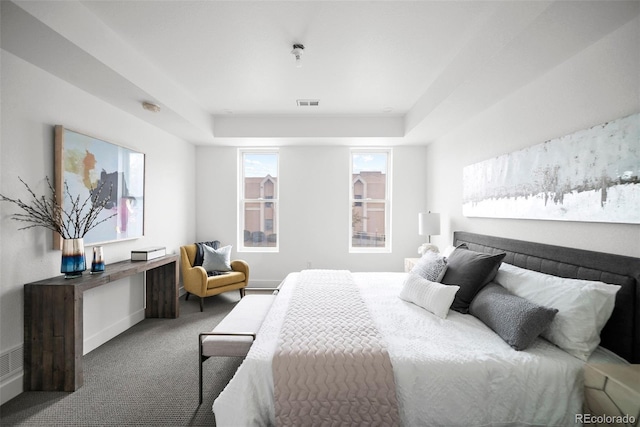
<point>428,225</point>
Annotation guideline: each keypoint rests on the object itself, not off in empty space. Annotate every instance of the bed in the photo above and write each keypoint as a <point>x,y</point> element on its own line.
<point>457,371</point>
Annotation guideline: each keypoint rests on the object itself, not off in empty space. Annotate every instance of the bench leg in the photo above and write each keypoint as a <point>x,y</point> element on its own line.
<point>201,304</point>
<point>200,400</point>
<point>201,360</point>
<point>187,297</point>
<point>242,292</point>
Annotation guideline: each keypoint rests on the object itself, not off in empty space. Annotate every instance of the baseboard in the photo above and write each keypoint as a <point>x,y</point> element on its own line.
<point>12,370</point>
<point>264,283</point>
<point>112,331</point>
<point>252,284</point>
<point>11,388</point>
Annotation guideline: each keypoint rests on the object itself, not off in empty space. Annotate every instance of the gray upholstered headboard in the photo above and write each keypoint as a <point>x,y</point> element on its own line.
<point>621,334</point>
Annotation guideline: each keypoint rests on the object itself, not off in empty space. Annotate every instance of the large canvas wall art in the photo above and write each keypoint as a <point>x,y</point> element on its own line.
<point>88,165</point>
<point>590,175</point>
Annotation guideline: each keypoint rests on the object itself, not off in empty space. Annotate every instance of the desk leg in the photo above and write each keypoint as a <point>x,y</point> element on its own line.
<point>52,338</point>
<point>162,291</point>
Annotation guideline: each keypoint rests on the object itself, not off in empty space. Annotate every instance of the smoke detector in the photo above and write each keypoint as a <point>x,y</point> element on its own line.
<point>149,106</point>
<point>298,50</point>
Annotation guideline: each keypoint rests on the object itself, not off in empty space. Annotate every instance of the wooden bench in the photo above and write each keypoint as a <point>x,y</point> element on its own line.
<point>234,335</point>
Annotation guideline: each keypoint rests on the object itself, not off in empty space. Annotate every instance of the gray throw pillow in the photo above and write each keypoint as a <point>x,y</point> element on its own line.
<point>518,321</point>
<point>217,259</point>
<point>471,271</point>
<point>431,266</point>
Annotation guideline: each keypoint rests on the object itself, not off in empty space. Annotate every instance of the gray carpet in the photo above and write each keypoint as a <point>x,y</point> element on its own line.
<point>146,376</point>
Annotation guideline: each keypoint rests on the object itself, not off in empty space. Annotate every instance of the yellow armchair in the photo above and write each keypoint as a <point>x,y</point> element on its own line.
<point>196,281</point>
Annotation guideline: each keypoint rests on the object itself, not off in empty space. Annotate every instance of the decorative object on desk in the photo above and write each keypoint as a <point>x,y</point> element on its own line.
<point>71,221</point>
<point>97,264</point>
<point>87,164</point>
<point>147,254</point>
<point>428,225</point>
<point>73,258</point>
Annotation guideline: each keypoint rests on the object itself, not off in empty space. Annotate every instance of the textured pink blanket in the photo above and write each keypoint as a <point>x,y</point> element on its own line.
<point>331,366</point>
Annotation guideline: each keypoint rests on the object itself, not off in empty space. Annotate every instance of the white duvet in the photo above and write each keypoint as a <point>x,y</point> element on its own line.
<point>449,372</point>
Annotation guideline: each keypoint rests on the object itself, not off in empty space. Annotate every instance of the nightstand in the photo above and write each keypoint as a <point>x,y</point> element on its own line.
<point>612,390</point>
<point>409,263</point>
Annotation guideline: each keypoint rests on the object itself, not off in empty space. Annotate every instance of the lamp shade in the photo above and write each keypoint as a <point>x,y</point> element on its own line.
<point>428,224</point>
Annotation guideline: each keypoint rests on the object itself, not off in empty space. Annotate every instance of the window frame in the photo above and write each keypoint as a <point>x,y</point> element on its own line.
<point>272,201</point>
<point>361,201</point>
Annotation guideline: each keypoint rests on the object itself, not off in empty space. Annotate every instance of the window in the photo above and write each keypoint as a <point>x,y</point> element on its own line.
<point>258,200</point>
<point>370,200</point>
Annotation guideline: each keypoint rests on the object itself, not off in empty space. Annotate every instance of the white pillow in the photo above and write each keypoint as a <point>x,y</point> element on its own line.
<point>217,259</point>
<point>431,266</point>
<point>433,297</point>
<point>584,306</point>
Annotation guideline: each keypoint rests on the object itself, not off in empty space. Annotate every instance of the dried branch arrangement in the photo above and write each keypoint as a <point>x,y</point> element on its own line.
<point>73,223</point>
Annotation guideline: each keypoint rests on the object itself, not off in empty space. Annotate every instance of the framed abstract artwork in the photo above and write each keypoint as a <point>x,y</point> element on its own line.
<point>93,169</point>
<point>591,175</point>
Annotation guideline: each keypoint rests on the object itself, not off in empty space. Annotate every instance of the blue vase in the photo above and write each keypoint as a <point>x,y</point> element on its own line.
<point>73,258</point>
<point>97,264</point>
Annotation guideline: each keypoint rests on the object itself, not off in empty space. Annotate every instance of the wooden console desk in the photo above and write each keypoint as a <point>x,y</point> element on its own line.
<point>53,318</point>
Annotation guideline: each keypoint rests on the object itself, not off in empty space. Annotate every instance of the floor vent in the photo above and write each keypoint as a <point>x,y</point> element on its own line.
<point>10,362</point>
<point>308,102</point>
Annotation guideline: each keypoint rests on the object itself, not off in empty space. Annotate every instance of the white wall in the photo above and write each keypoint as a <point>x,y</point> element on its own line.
<point>33,101</point>
<point>314,209</point>
<point>599,84</point>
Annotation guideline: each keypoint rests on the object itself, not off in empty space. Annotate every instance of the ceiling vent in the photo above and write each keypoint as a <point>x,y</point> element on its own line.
<point>308,102</point>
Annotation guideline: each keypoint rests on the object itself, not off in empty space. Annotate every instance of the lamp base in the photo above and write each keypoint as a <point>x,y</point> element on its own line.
<point>428,247</point>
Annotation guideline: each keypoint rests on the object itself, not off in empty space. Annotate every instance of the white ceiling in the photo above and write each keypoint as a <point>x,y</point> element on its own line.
<point>384,71</point>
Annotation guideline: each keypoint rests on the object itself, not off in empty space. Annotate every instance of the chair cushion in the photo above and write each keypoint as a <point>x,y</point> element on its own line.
<point>225,279</point>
